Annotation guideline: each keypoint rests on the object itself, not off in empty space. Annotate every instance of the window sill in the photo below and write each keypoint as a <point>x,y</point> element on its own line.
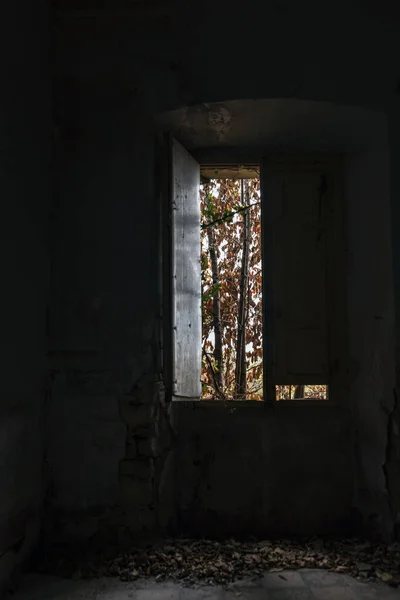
<point>257,404</point>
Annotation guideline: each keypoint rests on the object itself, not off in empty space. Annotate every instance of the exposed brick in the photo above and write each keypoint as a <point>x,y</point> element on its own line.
<point>136,415</point>
<point>141,468</point>
<point>135,492</point>
<point>148,447</point>
<point>143,432</point>
<point>131,449</point>
<point>142,519</point>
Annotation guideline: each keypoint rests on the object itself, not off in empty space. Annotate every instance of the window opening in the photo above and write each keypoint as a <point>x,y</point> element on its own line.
<point>301,392</point>
<point>217,295</point>
<point>232,320</point>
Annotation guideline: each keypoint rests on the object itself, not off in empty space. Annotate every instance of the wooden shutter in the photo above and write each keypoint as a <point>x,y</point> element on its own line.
<point>303,245</point>
<point>186,274</point>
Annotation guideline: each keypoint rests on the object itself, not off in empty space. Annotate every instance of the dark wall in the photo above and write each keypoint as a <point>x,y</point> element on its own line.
<point>114,73</point>
<point>263,470</point>
<point>25,188</point>
<point>112,460</point>
<point>104,303</point>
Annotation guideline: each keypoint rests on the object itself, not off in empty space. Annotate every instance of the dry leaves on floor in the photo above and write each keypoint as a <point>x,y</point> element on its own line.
<point>212,562</point>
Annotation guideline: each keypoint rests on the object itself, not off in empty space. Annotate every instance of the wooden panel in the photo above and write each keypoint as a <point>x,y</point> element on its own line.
<point>302,250</point>
<point>232,171</point>
<point>186,274</point>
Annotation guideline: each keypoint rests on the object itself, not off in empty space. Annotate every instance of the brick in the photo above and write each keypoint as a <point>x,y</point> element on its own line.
<point>136,415</point>
<point>142,432</point>
<point>131,449</point>
<point>148,447</point>
<point>140,468</point>
<point>141,519</point>
<point>135,492</point>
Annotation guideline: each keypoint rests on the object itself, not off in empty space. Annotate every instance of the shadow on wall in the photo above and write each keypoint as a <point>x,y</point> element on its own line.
<point>262,471</point>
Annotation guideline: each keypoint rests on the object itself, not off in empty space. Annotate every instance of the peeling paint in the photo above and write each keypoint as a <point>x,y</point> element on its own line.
<point>220,120</point>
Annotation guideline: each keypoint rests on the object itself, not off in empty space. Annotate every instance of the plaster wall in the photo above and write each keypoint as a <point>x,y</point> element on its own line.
<point>106,287</point>
<point>25,139</point>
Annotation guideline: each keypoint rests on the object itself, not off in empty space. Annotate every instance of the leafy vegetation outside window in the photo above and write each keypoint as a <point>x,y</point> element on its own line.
<point>237,272</point>
<point>232,366</point>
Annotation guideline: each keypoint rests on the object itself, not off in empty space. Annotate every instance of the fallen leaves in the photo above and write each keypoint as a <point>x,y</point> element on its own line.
<point>212,562</point>
<point>386,577</point>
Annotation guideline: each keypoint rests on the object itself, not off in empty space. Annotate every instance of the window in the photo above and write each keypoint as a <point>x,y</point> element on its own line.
<point>231,265</point>
<point>301,392</point>
<point>303,302</point>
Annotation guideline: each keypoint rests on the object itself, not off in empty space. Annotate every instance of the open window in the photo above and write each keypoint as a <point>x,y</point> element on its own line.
<point>232,340</point>
<point>303,302</point>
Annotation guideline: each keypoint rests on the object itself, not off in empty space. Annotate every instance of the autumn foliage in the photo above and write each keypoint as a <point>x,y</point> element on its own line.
<point>231,289</point>
<point>232,367</point>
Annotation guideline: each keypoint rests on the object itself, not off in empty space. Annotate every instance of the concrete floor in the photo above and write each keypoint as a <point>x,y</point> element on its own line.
<point>286,585</point>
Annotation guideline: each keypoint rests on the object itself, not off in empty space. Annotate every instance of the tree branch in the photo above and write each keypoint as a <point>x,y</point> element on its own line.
<point>231,214</point>
<point>217,388</point>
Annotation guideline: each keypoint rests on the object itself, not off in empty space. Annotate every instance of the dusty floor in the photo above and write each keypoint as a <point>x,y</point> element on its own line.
<point>305,584</point>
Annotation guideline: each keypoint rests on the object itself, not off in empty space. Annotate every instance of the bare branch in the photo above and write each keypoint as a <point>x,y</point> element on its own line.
<point>217,388</point>
<point>230,215</point>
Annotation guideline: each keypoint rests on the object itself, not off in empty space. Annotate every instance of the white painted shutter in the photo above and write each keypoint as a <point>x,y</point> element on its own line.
<point>186,275</point>
<point>304,304</point>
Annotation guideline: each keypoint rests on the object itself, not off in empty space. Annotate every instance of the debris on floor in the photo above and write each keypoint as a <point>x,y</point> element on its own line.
<point>211,562</point>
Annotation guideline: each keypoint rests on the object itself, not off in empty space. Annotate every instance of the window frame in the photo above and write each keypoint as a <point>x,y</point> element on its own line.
<point>256,156</point>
